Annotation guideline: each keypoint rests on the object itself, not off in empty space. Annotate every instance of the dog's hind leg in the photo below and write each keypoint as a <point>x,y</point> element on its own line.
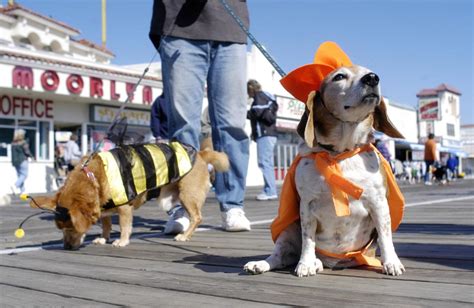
<point>286,252</point>
<point>106,222</point>
<point>125,221</point>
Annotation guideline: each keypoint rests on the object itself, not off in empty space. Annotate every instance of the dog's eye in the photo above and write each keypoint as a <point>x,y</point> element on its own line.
<point>338,77</point>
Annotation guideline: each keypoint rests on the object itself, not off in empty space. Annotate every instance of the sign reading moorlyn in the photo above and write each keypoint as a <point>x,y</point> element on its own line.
<point>80,85</point>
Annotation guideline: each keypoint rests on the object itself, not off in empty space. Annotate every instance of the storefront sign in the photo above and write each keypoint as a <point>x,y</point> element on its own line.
<point>289,108</point>
<point>429,109</point>
<point>26,107</point>
<point>24,78</point>
<point>106,114</point>
<point>289,112</point>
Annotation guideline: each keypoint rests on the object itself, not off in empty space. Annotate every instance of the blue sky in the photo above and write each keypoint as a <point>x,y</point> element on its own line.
<point>410,44</point>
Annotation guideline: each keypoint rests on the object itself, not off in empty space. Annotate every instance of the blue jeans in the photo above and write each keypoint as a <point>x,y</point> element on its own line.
<point>428,164</point>
<point>22,173</point>
<point>186,67</point>
<point>265,149</point>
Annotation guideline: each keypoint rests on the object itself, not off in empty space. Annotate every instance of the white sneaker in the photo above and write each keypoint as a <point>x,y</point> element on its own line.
<point>265,197</point>
<point>428,183</point>
<point>178,222</point>
<point>235,220</point>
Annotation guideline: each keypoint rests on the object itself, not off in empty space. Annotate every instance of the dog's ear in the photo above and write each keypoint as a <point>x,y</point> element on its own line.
<point>80,221</point>
<point>44,202</point>
<point>306,125</point>
<point>302,124</point>
<point>382,123</point>
<point>84,218</point>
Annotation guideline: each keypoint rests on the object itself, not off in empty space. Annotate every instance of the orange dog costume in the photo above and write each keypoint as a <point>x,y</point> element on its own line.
<point>300,83</point>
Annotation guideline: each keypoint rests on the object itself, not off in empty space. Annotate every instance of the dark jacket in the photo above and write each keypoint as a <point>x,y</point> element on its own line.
<point>263,115</point>
<point>20,152</point>
<point>159,118</point>
<point>383,150</point>
<point>198,20</point>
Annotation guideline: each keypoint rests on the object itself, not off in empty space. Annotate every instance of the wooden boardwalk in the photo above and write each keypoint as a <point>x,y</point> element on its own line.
<point>435,243</point>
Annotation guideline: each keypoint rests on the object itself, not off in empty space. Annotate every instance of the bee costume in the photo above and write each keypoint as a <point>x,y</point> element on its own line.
<point>134,169</point>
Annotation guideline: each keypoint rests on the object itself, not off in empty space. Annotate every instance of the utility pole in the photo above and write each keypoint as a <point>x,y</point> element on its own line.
<point>104,23</point>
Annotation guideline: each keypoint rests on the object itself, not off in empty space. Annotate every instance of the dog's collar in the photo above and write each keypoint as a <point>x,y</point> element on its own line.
<point>89,174</point>
<point>327,147</point>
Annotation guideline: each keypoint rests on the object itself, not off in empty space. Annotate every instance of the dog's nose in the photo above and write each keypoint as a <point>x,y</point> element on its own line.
<point>371,79</point>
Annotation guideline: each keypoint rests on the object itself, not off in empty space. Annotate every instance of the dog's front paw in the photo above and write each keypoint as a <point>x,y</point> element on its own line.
<point>393,267</point>
<point>181,238</point>
<point>305,269</point>
<point>120,243</point>
<point>257,267</point>
<point>100,241</point>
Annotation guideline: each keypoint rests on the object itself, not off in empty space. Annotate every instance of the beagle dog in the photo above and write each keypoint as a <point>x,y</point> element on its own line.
<point>335,200</point>
<point>122,180</point>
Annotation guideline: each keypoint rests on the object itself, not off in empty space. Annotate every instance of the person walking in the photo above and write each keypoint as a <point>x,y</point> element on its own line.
<point>72,153</point>
<point>199,43</point>
<point>20,154</point>
<point>430,157</point>
<point>262,116</point>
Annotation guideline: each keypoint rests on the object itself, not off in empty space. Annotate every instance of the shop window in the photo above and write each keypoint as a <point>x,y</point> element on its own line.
<point>450,128</point>
<point>36,134</point>
<point>6,137</point>
<point>44,140</point>
<point>7,122</point>
<point>30,137</point>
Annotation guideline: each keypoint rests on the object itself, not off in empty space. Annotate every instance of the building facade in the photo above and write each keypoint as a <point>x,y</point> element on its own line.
<point>53,85</point>
<point>467,137</point>
<point>439,113</point>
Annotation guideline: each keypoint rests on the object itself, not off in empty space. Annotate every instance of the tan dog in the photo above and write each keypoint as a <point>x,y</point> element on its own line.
<point>80,202</point>
<point>340,117</point>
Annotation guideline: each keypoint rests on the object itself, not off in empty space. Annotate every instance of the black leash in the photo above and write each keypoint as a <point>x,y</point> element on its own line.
<point>119,112</point>
<point>253,39</point>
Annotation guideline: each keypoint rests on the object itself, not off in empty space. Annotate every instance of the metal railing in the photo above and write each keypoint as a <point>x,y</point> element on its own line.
<point>284,155</point>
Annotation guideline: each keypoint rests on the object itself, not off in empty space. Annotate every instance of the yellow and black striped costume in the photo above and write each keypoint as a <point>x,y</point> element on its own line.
<point>133,169</point>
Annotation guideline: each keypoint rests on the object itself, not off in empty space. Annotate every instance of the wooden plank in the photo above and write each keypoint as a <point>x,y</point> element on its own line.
<point>21,296</point>
<point>144,273</point>
<point>105,292</point>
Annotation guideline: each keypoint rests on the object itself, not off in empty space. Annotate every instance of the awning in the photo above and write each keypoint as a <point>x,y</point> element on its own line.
<point>455,151</point>
<point>400,143</point>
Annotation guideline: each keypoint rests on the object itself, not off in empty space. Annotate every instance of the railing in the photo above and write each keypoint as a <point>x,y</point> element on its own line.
<point>284,155</point>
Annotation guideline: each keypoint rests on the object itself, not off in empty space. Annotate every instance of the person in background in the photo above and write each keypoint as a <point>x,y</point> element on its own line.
<point>430,157</point>
<point>452,165</point>
<point>262,116</point>
<point>159,119</point>
<point>380,145</point>
<point>72,153</point>
<point>20,154</point>
<point>199,42</point>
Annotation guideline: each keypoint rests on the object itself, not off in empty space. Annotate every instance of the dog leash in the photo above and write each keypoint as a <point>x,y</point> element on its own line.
<point>253,39</point>
<point>118,113</point>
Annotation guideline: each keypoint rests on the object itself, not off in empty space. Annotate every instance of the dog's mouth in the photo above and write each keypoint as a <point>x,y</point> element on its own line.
<point>365,99</point>
<point>370,97</point>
